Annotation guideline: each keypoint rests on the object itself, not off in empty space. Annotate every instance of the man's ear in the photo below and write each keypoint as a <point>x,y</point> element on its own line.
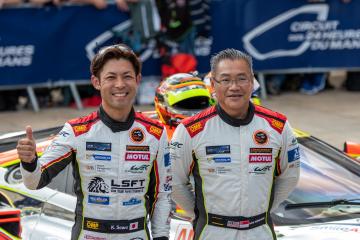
<point>212,82</point>
<point>138,79</point>
<point>95,82</point>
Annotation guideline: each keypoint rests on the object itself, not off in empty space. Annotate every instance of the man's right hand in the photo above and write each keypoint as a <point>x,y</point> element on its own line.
<point>26,147</point>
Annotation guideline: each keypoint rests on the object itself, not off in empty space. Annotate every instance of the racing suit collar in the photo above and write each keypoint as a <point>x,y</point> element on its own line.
<point>234,121</point>
<point>114,125</point>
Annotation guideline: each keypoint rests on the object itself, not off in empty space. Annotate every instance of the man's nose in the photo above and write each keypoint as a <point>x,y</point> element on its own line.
<point>120,81</point>
<point>235,84</point>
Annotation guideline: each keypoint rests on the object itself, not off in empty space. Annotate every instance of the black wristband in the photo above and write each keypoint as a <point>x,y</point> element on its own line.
<point>161,238</point>
<point>30,167</point>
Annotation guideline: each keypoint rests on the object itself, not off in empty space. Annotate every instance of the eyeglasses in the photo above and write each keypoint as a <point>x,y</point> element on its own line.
<point>226,82</point>
<point>121,47</point>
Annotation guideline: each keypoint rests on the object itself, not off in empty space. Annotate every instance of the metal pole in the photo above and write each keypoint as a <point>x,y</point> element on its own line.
<point>263,94</point>
<point>33,99</point>
<point>76,96</point>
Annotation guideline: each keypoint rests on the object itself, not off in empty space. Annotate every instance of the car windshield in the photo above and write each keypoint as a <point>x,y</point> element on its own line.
<point>326,175</point>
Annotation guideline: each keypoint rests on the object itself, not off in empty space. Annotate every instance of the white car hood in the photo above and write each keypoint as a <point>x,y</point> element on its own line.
<point>339,230</point>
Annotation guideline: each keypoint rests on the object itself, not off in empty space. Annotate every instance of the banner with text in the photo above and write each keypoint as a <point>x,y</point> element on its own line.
<point>52,44</point>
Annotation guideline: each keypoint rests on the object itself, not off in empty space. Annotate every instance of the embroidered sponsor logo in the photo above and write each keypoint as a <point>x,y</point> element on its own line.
<point>293,155</point>
<point>221,149</point>
<point>238,224</point>
<point>137,148</point>
<point>137,135</point>
<point>102,157</point>
<point>134,156</point>
<point>155,130</point>
<point>167,187</point>
<point>295,164</point>
<point>89,167</point>
<point>99,200</point>
<point>219,159</point>
<point>128,186</point>
<point>64,133</point>
<point>174,145</point>
<point>219,170</point>
<point>195,127</point>
<point>97,168</point>
<point>98,185</point>
<point>98,157</point>
<point>167,161</point>
<point>260,137</point>
<point>98,146</point>
<point>92,225</point>
<point>168,179</point>
<point>260,170</point>
<point>54,145</point>
<point>277,124</point>
<point>260,150</point>
<point>80,128</point>
<point>293,142</point>
<point>132,201</point>
<point>137,169</point>
<point>93,237</point>
<point>254,158</point>
<point>102,168</point>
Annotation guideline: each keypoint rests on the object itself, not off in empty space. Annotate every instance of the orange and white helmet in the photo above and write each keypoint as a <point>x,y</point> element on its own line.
<point>179,96</point>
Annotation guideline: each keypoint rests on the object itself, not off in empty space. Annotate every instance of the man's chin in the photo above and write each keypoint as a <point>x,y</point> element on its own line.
<point>120,105</point>
<point>235,104</point>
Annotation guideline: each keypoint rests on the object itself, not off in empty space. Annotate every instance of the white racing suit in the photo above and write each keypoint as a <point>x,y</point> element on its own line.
<point>242,169</point>
<point>121,171</point>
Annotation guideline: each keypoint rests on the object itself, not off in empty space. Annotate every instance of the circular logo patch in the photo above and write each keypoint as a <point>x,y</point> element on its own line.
<point>260,137</point>
<point>137,135</point>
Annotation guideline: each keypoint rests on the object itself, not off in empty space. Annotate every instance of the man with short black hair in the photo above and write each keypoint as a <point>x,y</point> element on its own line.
<point>120,159</point>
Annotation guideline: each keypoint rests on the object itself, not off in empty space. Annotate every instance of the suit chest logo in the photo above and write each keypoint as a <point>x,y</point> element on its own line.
<point>98,146</point>
<point>137,135</point>
<point>261,137</point>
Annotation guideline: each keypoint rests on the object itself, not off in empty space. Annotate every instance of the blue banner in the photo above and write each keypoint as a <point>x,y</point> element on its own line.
<point>41,45</point>
<point>292,34</point>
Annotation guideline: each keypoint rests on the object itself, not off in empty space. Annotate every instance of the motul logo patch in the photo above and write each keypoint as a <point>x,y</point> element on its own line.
<point>260,158</point>
<point>134,156</point>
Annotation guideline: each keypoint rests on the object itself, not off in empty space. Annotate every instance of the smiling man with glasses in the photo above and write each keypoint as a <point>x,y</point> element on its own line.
<point>244,158</point>
<point>120,158</point>
<point>232,80</point>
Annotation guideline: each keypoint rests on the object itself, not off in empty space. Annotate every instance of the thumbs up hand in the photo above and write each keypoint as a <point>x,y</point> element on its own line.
<point>26,147</point>
<point>29,133</point>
